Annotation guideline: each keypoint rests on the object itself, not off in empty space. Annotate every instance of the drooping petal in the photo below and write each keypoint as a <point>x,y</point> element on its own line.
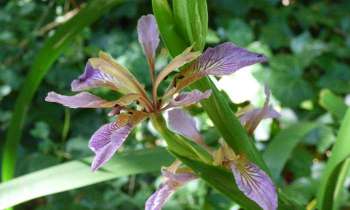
<point>252,114</point>
<point>80,100</point>
<point>189,98</point>
<point>251,119</point>
<point>225,59</point>
<point>148,35</point>
<point>106,141</point>
<point>173,181</point>
<point>255,184</point>
<point>158,198</point>
<point>182,123</point>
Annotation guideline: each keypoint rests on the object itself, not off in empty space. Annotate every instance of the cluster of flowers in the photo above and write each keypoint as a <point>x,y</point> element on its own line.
<point>135,106</point>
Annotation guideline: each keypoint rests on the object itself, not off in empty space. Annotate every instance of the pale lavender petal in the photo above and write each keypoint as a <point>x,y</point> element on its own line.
<point>182,123</point>
<point>93,78</point>
<point>251,119</point>
<point>225,59</point>
<point>148,36</point>
<point>252,114</point>
<point>106,141</point>
<point>255,184</point>
<point>178,178</point>
<point>80,100</point>
<point>189,98</point>
<point>158,198</point>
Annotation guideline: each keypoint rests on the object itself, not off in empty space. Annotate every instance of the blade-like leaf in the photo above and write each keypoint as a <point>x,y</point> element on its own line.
<point>192,19</point>
<point>340,152</point>
<point>167,27</point>
<point>75,174</point>
<point>51,50</point>
<point>281,147</point>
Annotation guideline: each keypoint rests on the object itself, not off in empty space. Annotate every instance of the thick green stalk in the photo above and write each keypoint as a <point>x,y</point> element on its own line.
<point>226,122</point>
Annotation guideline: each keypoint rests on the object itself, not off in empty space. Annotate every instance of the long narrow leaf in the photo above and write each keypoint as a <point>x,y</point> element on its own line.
<point>340,152</point>
<point>51,50</point>
<point>281,147</point>
<point>75,174</point>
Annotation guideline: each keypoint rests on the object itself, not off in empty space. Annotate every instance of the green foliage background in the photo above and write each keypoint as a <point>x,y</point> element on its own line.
<point>308,46</point>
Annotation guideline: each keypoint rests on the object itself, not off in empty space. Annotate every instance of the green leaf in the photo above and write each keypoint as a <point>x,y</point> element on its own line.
<point>333,104</point>
<point>51,50</point>
<point>281,147</point>
<point>330,177</point>
<point>191,18</point>
<point>76,174</point>
<point>167,27</point>
<point>339,188</point>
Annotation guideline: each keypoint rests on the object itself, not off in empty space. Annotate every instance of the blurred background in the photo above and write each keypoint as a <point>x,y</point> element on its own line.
<point>307,44</point>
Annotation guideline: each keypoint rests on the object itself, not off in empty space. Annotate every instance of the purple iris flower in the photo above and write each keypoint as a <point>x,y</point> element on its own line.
<point>173,180</point>
<point>104,71</point>
<point>250,179</point>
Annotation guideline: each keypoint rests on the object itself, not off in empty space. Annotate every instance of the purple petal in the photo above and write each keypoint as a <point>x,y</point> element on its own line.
<point>178,178</point>
<point>189,98</point>
<point>252,114</point>
<point>251,119</point>
<point>92,78</point>
<point>148,36</point>
<point>80,100</point>
<point>182,123</point>
<point>106,141</point>
<point>255,184</point>
<point>225,59</point>
<point>158,198</point>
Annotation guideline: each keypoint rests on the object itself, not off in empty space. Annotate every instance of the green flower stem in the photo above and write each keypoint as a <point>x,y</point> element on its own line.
<point>228,125</point>
<point>178,144</point>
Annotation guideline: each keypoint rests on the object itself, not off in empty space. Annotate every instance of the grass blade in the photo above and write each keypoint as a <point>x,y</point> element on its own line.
<point>76,174</point>
<point>51,50</point>
<point>340,152</point>
<point>281,147</point>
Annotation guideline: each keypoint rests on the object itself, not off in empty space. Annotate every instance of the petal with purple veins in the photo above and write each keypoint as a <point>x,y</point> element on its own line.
<point>93,78</point>
<point>148,35</point>
<point>106,141</point>
<point>118,75</point>
<point>80,100</point>
<point>182,123</point>
<point>189,98</point>
<point>255,184</point>
<point>158,198</point>
<point>225,59</point>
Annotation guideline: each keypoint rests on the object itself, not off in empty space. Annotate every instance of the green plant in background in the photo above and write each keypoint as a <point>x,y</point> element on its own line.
<point>295,74</point>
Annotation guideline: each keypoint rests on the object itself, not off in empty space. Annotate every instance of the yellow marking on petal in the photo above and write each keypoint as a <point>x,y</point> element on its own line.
<point>127,99</point>
<point>218,157</point>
